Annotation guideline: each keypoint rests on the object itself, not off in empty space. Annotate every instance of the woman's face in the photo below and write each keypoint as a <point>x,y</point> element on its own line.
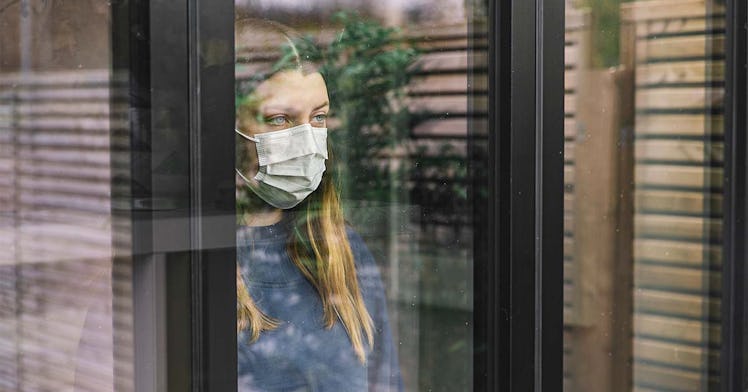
<point>287,99</point>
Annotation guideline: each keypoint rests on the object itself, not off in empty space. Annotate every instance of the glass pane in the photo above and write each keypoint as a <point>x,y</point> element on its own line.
<point>64,301</point>
<point>383,103</point>
<point>644,88</point>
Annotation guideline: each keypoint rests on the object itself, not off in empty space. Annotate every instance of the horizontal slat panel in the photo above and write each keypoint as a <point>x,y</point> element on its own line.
<point>679,124</point>
<point>568,175</point>
<point>568,247</point>
<point>570,128</point>
<point>680,47</point>
<point>570,104</point>
<point>31,156</point>
<point>677,252</point>
<point>571,55</point>
<point>569,149</point>
<point>678,98</point>
<point>568,203</point>
<point>675,278</point>
<point>571,77</point>
<point>689,151</point>
<point>67,186</point>
<point>672,354</point>
<point>438,61</point>
<point>576,19</point>
<point>62,109</point>
<point>445,84</point>
<point>674,304</point>
<point>679,202</point>
<point>98,139</point>
<point>678,176</point>
<point>568,294</point>
<point>674,26</point>
<point>668,379</point>
<point>680,72</point>
<point>667,10</point>
<point>90,94</point>
<point>680,227</point>
<point>457,127</point>
<point>446,104</point>
<point>676,330</point>
<point>568,223</point>
<point>80,77</point>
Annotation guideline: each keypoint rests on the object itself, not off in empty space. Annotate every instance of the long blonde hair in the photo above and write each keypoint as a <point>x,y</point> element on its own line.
<point>318,244</point>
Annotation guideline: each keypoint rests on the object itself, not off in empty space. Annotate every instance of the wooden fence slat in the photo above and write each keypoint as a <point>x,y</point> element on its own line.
<point>679,98</point>
<point>677,252</point>
<point>677,330</point>
<point>94,94</point>
<point>677,227</point>
<point>678,124</point>
<point>446,83</point>
<point>679,151</point>
<point>679,176</point>
<point>674,304</point>
<point>569,175</point>
<point>570,104</point>
<point>448,127</point>
<point>577,19</point>
<point>454,61</point>
<point>666,9</point>
<point>570,79</point>
<point>64,139</point>
<point>676,278</point>
<point>69,186</point>
<point>570,128</point>
<point>445,104</point>
<point>569,152</point>
<point>678,202</point>
<point>680,47</point>
<point>571,55</point>
<point>79,77</point>
<point>671,354</point>
<point>665,378</point>
<point>31,154</point>
<point>699,71</point>
<point>673,26</point>
<point>568,247</point>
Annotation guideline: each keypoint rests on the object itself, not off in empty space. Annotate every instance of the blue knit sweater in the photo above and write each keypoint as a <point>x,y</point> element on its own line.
<point>303,355</point>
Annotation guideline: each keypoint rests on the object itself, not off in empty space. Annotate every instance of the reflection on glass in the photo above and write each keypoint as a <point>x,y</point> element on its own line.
<point>61,300</point>
<point>353,133</point>
<point>644,157</point>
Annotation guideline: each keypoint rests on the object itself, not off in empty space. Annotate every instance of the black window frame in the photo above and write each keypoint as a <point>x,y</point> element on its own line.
<point>734,318</point>
<point>519,262</point>
<point>185,298</point>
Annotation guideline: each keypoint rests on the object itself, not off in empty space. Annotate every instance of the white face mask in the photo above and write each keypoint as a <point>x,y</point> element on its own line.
<point>291,162</point>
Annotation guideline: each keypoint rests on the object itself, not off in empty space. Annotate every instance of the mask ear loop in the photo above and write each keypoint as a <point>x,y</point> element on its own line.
<point>245,136</point>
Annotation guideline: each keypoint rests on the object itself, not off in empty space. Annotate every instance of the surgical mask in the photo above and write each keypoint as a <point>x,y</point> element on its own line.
<point>291,162</point>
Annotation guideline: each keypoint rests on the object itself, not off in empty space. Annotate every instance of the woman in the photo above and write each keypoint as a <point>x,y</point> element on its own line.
<point>310,300</point>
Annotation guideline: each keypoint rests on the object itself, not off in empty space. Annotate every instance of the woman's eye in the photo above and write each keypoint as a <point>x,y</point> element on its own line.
<point>277,120</point>
<point>319,118</point>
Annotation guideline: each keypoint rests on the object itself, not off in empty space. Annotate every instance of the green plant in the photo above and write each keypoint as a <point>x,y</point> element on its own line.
<point>366,67</point>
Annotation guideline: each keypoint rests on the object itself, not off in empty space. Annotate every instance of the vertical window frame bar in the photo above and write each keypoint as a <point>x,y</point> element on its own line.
<point>519,272</point>
<point>734,347</point>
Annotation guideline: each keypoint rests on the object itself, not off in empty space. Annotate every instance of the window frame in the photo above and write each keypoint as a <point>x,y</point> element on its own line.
<point>519,264</point>
<point>734,318</point>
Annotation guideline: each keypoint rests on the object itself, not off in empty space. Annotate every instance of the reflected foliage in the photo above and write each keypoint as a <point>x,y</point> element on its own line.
<point>366,69</point>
